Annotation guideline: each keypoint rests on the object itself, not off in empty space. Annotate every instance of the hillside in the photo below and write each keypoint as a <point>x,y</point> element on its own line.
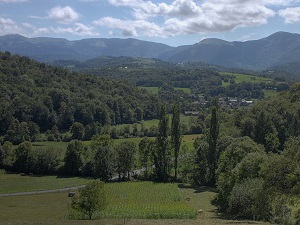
<point>47,96</point>
<point>279,48</point>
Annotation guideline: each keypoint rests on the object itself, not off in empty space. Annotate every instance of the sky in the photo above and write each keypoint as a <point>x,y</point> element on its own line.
<point>172,22</point>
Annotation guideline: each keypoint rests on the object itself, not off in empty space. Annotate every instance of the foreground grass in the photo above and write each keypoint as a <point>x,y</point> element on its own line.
<point>144,200</point>
<point>52,209</point>
<point>11,183</point>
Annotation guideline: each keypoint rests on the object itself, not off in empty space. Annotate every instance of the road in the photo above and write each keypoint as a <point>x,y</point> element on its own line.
<point>42,192</point>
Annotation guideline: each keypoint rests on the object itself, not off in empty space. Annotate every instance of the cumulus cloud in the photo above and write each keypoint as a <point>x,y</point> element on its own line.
<point>77,29</point>
<point>63,15</point>
<point>190,16</point>
<point>131,27</point>
<point>290,15</point>
<point>8,26</point>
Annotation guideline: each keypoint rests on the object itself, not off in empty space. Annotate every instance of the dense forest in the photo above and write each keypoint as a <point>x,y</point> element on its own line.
<point>37,97</point>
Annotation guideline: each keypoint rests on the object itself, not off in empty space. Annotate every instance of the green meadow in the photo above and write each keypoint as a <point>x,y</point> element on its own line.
<point>128,204</point>
<point>11,183</point>
<point>245,78</point>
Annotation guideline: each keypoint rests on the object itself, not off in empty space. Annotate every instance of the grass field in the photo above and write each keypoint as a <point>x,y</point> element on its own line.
<point>270,93</point>
<point>246,78</point>
<point>11,183</point>
<point>52,209</point>
<point>144,200</point>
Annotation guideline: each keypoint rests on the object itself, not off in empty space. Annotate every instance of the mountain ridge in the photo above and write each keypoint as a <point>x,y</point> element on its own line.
<point>276,49</point>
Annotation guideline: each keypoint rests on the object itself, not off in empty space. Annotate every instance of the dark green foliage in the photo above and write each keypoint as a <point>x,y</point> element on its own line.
<point>77,131</point>
<point>91,199</point>
<point>229,168</point>
<point>73,158</point>
<point>176,136</point>
<point>125,156</point>
<point>23,158</point>
<point>145,150</point>
<point>212,143</point>
<point>162,153</point>
<point>104,157</point>
<point>35,96</point>
<point>249,199</point>
<point>46,161</point>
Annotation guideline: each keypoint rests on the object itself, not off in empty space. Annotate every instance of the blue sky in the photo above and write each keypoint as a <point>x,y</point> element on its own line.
<point>173,22</point>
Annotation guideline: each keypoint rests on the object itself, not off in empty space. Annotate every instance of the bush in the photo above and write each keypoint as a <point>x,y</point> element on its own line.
<point>249,200</point>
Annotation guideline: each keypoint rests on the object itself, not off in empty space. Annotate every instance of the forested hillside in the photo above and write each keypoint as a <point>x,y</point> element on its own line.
<point>36,97</point>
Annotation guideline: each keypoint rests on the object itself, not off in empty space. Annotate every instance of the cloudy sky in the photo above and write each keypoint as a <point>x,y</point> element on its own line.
<point>174,22</point>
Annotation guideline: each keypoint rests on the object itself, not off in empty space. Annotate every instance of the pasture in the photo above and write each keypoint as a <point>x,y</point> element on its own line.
<point>11,183</point>
<point>245,78</point>
<point>53,209</point>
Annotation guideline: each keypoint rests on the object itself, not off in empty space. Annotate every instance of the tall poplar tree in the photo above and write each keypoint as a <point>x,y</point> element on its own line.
<point>212,142</point>
<point>161,155</point>
<point>176,136</point>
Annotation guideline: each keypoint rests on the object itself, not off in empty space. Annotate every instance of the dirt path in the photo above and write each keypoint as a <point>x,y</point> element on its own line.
<point>42,192</point>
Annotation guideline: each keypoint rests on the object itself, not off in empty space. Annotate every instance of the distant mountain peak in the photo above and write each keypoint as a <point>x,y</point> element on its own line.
<point>214,41</point>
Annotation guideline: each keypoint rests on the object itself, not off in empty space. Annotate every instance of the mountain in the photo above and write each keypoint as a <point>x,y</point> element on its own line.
<point>50,49</point>
<point>292,68</point>
<point>276,49</point>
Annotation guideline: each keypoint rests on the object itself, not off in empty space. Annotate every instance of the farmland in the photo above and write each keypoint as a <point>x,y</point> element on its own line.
<point>125,198</point>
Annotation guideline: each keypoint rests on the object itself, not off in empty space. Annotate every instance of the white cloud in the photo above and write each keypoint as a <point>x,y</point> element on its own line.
<point>290,15</point>
<point>190,16</point>
<point>63,15</point>
<point>8,26</point>
<point>77,29</point>
<point>130,27</point>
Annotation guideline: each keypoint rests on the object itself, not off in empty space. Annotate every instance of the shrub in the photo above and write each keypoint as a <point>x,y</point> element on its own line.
<point>249,199</point>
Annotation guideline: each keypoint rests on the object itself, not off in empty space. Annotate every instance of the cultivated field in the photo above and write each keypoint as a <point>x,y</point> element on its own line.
<point>124,199</point>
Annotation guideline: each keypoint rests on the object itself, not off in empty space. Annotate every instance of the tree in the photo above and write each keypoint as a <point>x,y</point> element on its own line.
<point>91,199</point>
<point>161,155</point>
<point>73,158</point>
<point>104,160</point>
<point>23,157</point>
<point>250,199</point>
<point>46,161</point>
<point>176,136</point>
<point>212,142</point>
<point>125,154</point>
<point>145,153</point>
<point>77,130</point>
